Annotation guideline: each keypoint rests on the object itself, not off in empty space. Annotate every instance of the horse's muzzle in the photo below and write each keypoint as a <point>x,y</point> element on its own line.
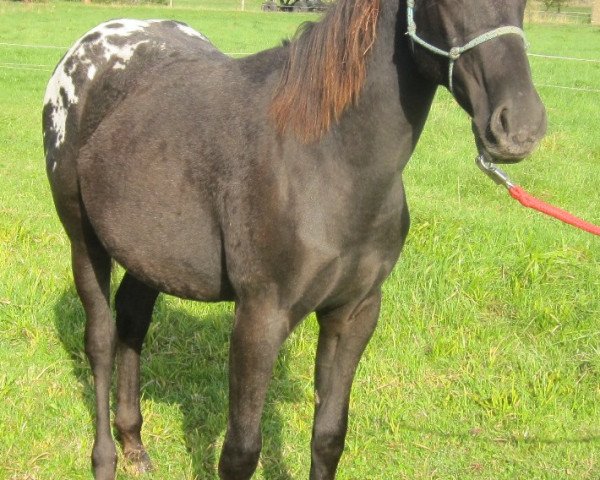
<point>512,132</point>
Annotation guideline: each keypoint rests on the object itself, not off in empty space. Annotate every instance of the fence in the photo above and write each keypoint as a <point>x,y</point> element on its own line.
<point>541,16</point>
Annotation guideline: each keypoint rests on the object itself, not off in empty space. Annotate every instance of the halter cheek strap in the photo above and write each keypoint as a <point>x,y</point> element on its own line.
<point>455,52</point>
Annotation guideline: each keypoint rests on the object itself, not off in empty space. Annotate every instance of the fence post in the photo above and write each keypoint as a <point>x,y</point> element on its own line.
<point>596,13</point>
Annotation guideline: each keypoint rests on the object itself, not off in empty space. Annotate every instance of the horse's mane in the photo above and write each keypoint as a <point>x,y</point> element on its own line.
<point>326,69</point>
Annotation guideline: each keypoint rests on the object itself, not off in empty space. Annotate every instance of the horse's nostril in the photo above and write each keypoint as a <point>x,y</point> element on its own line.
<point>499,124</point>
<point>504,120</point>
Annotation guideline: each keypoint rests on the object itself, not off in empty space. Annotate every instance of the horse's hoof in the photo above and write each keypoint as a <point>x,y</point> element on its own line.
<point>138,462</point>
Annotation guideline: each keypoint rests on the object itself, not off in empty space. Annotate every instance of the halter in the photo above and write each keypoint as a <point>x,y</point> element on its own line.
<point>455,52</point>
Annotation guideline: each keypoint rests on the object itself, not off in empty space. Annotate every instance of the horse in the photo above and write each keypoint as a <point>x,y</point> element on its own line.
<point>273,181</point>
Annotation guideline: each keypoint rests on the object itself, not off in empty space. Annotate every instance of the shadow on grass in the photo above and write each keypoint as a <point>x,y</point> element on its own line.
<point>184,363</point>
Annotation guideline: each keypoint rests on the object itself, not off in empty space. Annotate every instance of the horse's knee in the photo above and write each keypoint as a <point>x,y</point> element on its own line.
<point>239,459</point>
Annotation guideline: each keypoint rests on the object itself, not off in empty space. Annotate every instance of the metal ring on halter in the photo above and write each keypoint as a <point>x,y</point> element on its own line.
<point>455,52</point>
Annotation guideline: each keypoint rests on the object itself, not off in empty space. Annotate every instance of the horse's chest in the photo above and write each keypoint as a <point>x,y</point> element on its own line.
<point>346,255</point>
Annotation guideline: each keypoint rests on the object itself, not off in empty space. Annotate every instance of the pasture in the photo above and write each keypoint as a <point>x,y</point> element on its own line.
<point>486,361</point>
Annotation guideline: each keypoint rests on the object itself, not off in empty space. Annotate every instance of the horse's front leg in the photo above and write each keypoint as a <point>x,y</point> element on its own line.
<point>344,334</point>
<point>258,333</point>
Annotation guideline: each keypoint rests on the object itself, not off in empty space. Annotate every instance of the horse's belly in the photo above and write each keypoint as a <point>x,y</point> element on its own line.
<point>153,219</point>
<point>173,258</point>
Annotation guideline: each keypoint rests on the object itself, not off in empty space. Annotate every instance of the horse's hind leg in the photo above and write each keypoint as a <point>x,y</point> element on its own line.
<point>343,336</point>
<point>91,271</point>
<point>134,303</point>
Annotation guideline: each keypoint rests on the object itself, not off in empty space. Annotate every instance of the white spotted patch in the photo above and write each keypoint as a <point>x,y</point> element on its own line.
<point>190,31</point>
<point>61,81</point>
<point>62,92</point>
<point>122,54</point>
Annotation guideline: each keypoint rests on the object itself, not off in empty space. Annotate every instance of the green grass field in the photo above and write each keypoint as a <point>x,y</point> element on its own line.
<point>486,362</point>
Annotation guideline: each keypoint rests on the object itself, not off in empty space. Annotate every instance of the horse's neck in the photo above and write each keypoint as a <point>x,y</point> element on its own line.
<point>396,98</point>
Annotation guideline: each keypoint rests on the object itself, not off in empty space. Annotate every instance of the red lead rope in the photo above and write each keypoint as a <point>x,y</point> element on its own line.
<point>528,200</point>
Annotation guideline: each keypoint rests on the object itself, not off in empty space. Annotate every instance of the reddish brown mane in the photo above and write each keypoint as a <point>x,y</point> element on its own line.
<point>326,69</point>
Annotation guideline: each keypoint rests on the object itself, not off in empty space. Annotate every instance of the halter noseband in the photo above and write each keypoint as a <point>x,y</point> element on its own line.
<point>455,52</point>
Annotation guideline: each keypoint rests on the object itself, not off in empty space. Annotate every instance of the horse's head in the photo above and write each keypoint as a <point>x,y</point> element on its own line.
<point>477,49</point>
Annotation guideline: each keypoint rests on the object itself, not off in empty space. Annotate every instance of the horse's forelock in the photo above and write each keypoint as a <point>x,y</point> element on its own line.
<point>326,69</point>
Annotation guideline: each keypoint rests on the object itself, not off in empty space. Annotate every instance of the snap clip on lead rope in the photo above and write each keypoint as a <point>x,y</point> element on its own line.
<point>529,201</point>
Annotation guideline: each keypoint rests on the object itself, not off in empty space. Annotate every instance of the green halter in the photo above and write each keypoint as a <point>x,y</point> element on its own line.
<point>455,52</point>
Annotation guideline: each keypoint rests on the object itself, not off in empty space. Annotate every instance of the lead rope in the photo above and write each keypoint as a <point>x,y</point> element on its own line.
<point>528,200</point>
<point>455,52</point>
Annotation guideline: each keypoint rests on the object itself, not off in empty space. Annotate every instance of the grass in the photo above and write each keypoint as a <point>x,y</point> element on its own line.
<point>486,363</point>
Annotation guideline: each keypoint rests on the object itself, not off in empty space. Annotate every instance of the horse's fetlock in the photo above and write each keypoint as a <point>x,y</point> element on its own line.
<point>239,459</point>
<point>244,449</point>
<point>129,424</point>
<point>104,460</point>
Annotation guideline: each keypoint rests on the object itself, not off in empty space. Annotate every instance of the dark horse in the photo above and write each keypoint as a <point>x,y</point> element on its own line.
<point>274,181</point>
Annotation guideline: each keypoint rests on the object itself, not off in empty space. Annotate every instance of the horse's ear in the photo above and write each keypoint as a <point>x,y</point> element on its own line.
<point>326,69</point>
